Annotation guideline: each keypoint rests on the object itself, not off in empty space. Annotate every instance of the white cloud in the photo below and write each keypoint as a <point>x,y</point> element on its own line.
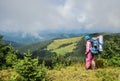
<point>33,16</point>
<point>82,18</point>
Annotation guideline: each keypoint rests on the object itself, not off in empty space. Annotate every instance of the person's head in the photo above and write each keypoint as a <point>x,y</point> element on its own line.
<point>87,37</point>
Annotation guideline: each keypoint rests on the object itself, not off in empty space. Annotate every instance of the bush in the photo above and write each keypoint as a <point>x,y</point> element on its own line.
<point>59,61</point>
<point>29,70</point>
<point>111,52</point>
<point>11,57</point>
<point>115,61</point>
<point>8,56</point>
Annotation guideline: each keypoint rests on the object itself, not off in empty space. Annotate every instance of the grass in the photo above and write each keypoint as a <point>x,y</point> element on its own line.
<point>74,72</point>
<point>54,46</point>
<point>65,49</point>
<point>5,74</point>
<point>77,72</point>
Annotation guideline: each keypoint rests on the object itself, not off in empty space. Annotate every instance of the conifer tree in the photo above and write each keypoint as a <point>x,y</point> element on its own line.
<point>29,70</point>
<point>7,55</point>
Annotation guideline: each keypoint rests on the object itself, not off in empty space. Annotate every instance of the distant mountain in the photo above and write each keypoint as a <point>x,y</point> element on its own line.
<point>29,39</point>
<point>14,44</point>
<point>20,39</point>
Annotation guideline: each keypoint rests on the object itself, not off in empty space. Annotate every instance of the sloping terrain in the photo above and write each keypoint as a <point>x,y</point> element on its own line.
<point>63,46</point>
<point>35,46</point>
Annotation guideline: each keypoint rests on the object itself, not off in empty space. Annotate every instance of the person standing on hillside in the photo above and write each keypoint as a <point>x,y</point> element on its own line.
<point>89,57</point>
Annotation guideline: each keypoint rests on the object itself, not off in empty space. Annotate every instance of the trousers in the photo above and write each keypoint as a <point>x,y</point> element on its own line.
<point>89,59</point>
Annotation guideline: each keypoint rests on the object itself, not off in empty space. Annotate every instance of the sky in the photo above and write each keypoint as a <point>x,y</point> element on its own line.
<point>35,16</point>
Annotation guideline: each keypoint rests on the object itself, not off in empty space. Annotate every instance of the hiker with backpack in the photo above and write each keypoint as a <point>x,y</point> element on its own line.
<point>94,45</point>
<point>89,56</point>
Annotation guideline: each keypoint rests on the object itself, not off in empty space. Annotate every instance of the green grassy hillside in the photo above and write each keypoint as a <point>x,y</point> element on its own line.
<point>63,46</point>
<point>34,47</point>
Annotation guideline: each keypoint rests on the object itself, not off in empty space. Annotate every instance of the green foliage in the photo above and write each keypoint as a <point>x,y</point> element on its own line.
<point>78,53</point>
<point>34,47</point>
<point>59,61</point>
<point>29,70</point>
<point>8,56</point>
<point>3,53</point>
<point>14,44</point>
<point>111,51</point>
<point>80,48</point>
<point>11,57</point>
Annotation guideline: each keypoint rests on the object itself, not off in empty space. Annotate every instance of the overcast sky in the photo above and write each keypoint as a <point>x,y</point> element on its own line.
<point>34,16</point>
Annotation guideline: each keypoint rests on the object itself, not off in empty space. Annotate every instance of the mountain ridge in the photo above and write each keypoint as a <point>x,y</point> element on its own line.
<point>29,39</point>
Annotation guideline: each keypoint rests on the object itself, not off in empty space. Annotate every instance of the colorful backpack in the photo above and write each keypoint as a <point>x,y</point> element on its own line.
<point>97,45</point>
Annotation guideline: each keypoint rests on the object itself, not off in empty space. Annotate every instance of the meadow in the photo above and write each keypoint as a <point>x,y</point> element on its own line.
<point>63,46</point>
<point>75,72</point>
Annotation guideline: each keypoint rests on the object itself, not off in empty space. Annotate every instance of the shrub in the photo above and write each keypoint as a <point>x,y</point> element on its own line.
<point>111,52</point>
<point>29,70</point>
<point>11,57</point>
<point>59,61</point>
<point>8,56</point>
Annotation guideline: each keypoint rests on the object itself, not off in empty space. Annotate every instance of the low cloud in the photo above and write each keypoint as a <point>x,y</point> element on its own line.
<point>34,16</point>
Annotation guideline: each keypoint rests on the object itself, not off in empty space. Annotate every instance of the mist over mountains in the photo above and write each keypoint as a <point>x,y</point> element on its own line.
<point>43,36</point>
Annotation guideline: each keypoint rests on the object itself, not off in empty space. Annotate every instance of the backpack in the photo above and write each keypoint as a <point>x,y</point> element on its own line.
<point>95,46</point>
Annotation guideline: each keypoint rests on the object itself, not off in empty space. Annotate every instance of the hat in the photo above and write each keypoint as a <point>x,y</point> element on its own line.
<point>87,37</point>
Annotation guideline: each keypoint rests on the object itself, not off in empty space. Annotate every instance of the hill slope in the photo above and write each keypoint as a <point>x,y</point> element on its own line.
<point>35,46</point>
<point>14,44</point>
<point>63,46</point>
